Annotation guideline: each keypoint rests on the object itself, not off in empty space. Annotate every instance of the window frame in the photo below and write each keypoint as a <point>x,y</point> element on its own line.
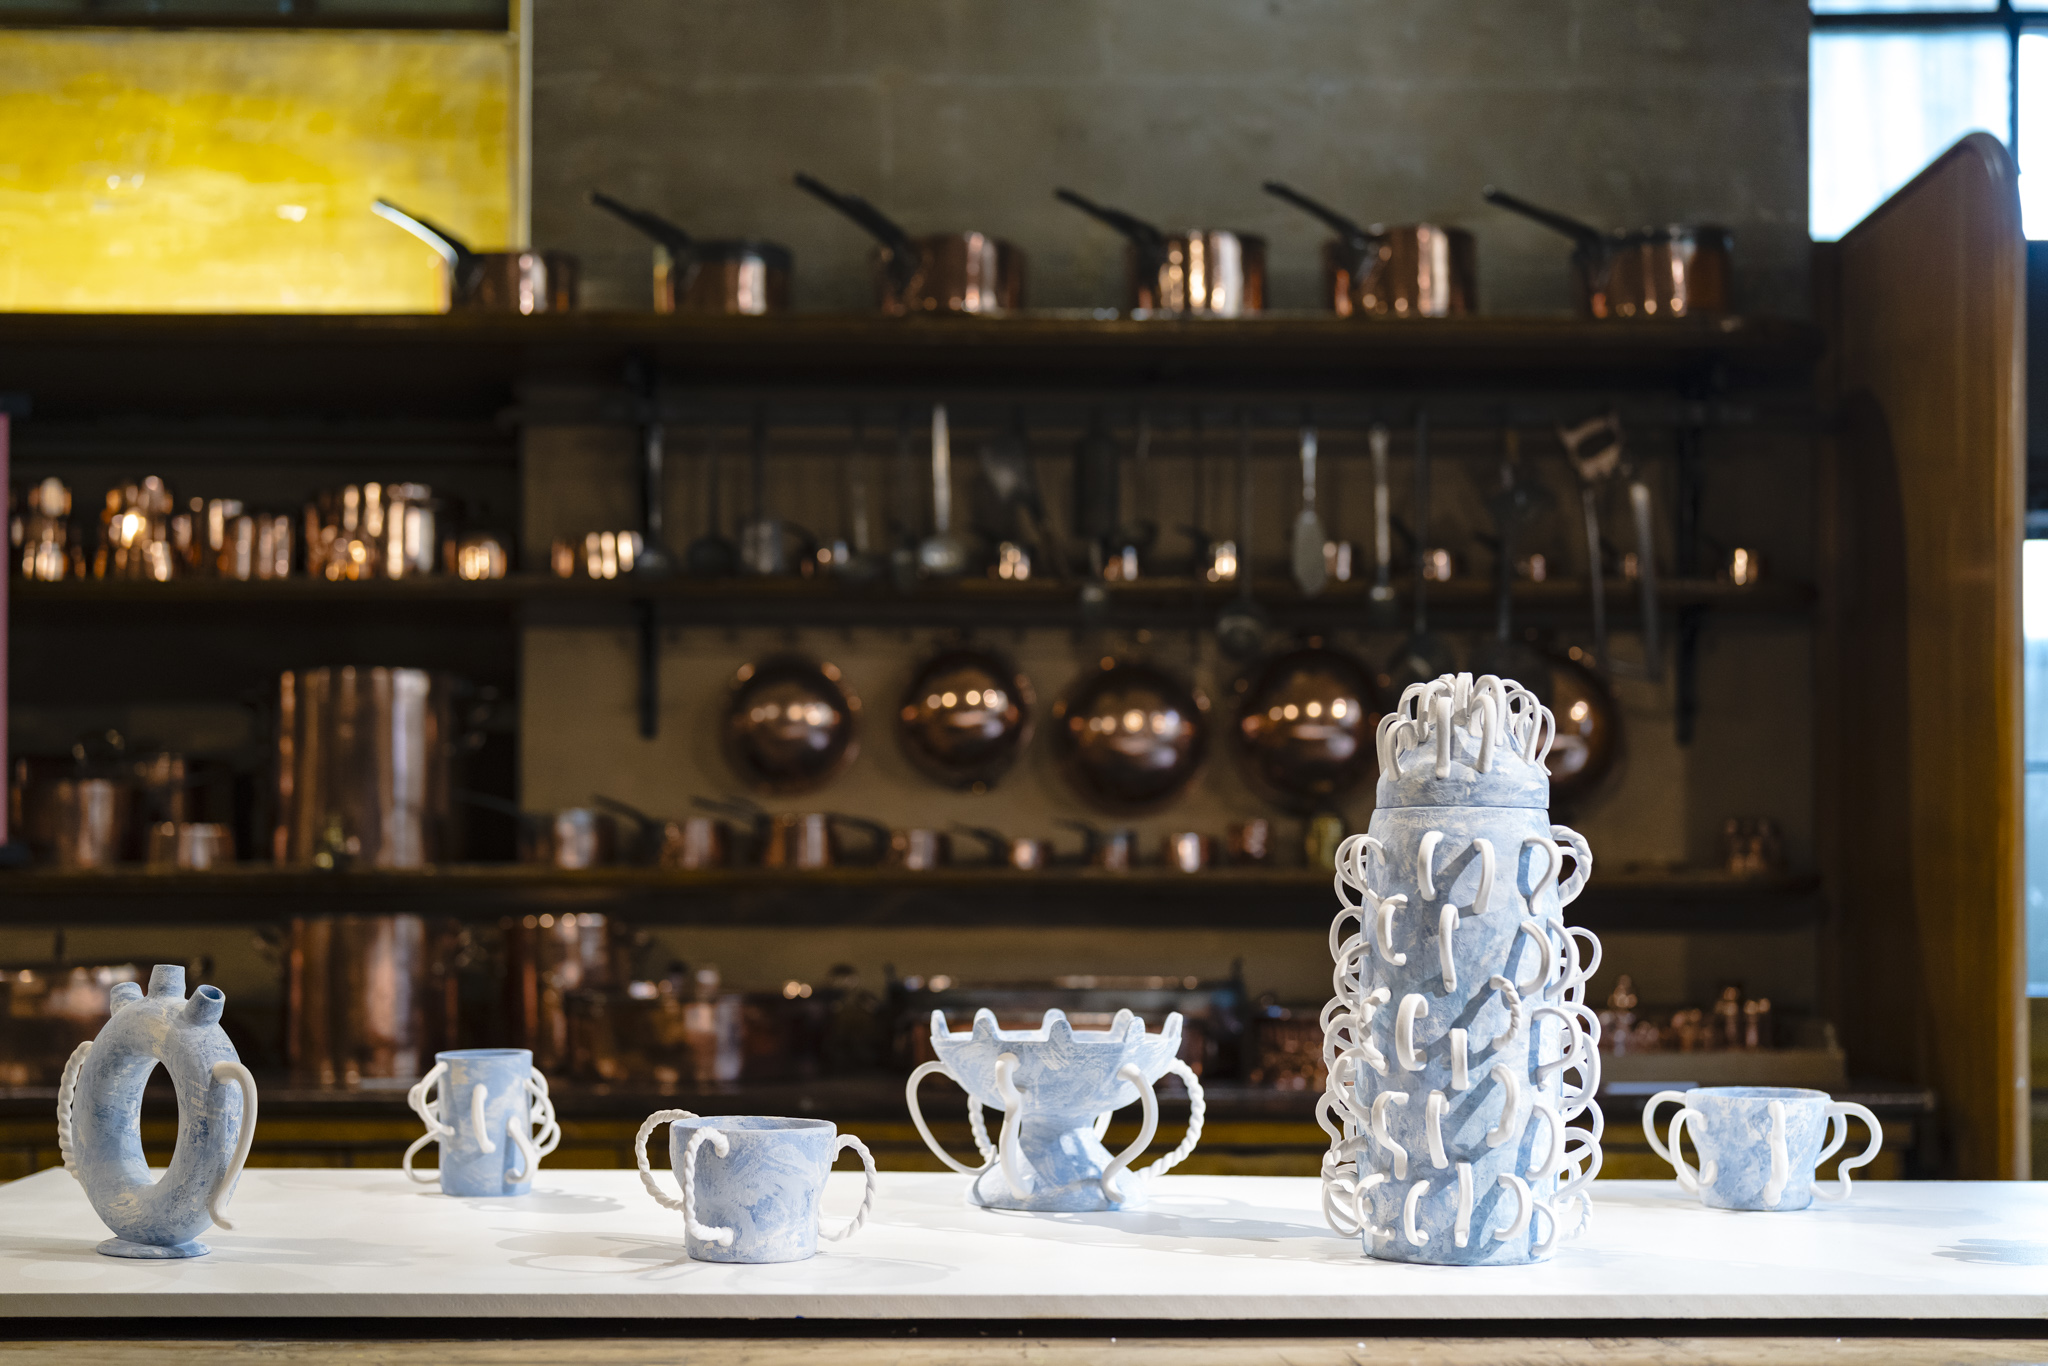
<point>2012,22</point>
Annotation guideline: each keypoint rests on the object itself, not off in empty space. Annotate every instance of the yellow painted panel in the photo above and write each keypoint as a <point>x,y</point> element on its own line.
<point>224,171</point>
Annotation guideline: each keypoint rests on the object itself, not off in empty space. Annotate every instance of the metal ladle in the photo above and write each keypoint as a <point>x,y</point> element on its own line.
<point>942,555</point>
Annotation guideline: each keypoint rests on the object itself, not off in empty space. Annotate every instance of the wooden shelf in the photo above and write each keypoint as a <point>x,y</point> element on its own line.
<point>310,366</point>
<point>867,897</point>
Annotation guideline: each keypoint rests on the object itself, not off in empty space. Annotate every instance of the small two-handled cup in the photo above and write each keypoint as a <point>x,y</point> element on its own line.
<point>1759,1145</point>
<point>753,1185</point>
<point>492,1118</point>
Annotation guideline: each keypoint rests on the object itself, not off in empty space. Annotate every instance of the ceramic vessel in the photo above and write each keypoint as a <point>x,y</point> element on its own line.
<point>1459,1044</point>
<point>757,1195</point>
<point>99,1114</point>
<point>1056,1087</point>
<point>491,1116</point>
<point>1759,1145</point>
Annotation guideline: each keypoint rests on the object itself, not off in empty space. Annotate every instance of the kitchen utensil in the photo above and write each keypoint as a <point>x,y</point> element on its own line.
<point>1250,842</point>
<point>1673,270</point>
<point>1505,656</point>
<point>757,1195</point>
<point>1593,468</point>
<point>479,556</point>
<point>762,546</point>
<point>919,850</point>
<point>947,272</point>
<point>695,843</point>
<point>1132,540</point>
<point>965,717</point>
<point>488,1111</point>
<point>45,546</point>
<point>359,999</point>
<point>1760,1146</point>
<point>80,822</point>
<point>1012,477</point>
<point>1056,1087</point>
<point>1646,577</point>
<point>574,838</point>
<point>856,560</point>
<point>1194,273</point>
<point>1589,727</point>
<point>1406,270</point>
<point>1188,851</point>
<point>1130,735</point>
<point>1381,612</point>
<point>362,765</point>
<point>1422,656</point>
<point>790,724</point>
<point>1310,571</point>
<point>712,555</point>
<point>942,555</point>
<point>1020,853</point>
<point>492,281</point>
<point>657,842</point>
<point>744,276</point>
<point>373,531</point>
<point>1241,630</point>
<point>1305,724</point>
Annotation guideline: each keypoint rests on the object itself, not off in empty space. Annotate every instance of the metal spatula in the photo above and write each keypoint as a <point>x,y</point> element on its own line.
<point>1310,573</point>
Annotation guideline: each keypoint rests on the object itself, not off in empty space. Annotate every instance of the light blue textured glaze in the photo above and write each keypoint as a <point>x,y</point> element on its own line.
<point>466,1169</point>
<point>186,1038</point>
<point>1736,1139</point>
<point>766,1189</point>
<point>1066,1077</point>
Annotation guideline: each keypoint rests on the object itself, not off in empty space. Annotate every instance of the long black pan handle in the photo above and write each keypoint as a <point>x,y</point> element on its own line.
<point>1585,234</point>
<point>1357,237</point>
<point>1147,237</point>
<point>903,255</point>
<point>652,224</point>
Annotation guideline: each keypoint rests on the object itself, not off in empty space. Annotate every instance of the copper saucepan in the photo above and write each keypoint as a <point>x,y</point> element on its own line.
<point>1204,273</point>
<point>1673,270</point>
<point>744,276</point>
<point>943,272</point>
<point>492,281</point>
<point>1403,270</point>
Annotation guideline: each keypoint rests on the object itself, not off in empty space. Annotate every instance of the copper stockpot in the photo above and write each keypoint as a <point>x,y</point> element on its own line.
<point>964,717</point>
<point>742,276</point>
<point>564,974</point>
<point>1402,270</point>
<point>493,281</point>
<point>1201,273</point>
<point>1673,270</point>
<point>790,724</point>
<point>1131,735</point>
<point>366,997</point>
<point>946,272</point>
<point>362,768</point>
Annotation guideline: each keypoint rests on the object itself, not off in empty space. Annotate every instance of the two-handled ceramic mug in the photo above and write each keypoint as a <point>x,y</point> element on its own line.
<point>490,1104</point>
<point>753,1185</point>
<point>1759,1145</point>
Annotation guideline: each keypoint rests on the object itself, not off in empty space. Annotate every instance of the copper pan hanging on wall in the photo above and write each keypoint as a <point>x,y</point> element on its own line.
<point>965,717</point>
<point>1131,736</point>
<point>791,724</point>
<point>1305,723</point>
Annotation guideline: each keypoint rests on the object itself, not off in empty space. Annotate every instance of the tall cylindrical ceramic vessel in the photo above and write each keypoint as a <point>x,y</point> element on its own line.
<point>490,1101</point>
<point>1459,1047</point>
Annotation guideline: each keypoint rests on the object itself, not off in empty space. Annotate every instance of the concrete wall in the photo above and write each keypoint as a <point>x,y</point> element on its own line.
<point>958,114</point>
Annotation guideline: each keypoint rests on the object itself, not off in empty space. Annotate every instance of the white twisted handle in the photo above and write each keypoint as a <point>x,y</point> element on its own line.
<point>417,1098</point>
<point>67,1097</point>
<point>654,1121</point>
<point>541,1114</point>
<point>1198,1110</point>
<point>721,1145</point>
<point>867,1200</point>
<point>224,1189</point>
<point>1582,863</point>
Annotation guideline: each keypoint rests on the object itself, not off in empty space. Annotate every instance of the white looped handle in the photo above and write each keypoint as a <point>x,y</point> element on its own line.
<point>721,1145</point>
<point>974,1122</point>
<point>1781,1161</point>
<point>67,1099</point>
<point>540,1114</point>
<point>224,1189</point>
<point>1013,1117</point>
<point>1650,1120</point>
<point>420,1098</point>
<point>1582,863</point>
<point>867,1200</point>
<point>1838,1116</point>
<point>478,1094</point>
<point>1689,1180</point>
<point>654,1121</point>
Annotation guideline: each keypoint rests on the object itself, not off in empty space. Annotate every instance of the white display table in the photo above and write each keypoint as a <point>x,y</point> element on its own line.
<point>591,1244</point>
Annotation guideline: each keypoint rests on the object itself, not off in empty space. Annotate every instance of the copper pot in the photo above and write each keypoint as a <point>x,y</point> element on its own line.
<point>1251,842</point>
<point>946,272</point>
<point>1202,273</point>
<point>1189,851</point>
<point>1019,853</point>
<point>790,724</point>
<point>1673,270</point>
<point>1406,270</point>
<point>1305,724</point>
<point>811,840</point>
<point>694,844</point>
<point>362,758</point>
<point>1131,735</point>
<point>919,851</point>
<point>964,718</point>
<point>492,281</point>
<point>575,838</point>
<point>741,276</point>
<point>193,845</point>
<point>365,998</point>
<point>563,976</point>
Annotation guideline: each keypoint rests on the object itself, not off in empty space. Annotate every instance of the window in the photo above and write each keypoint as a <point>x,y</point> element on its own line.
<point>1894,82</point>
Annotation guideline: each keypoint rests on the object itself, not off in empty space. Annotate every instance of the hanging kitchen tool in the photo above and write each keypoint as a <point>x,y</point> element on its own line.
<point>1310,570</point>
<point>737,276</point>
<point>942,555</point>
<point>1130,543</point>
<point>1012,478</point>
<point>1381,611</point>
<point>1098,486</point>
<point>491,281</point>
<point>1505,655</point>
<point>769,545</point>
<point>791,724</point>
<point>1593,470</point>
<point>1241,629</point>
<point>965,717</point>
<point>1305,724</point>
<point>1406,270</point>
<point>1195,273</point>
<point>712,555</point>
<point>1423,656</point>
<point>1131,736</point>
<point>1674,270</point>
<point>946,272</point>
<point>854,558</point>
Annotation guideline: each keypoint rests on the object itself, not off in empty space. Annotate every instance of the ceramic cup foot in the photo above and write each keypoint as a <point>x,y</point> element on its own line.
<point>121,1247</point>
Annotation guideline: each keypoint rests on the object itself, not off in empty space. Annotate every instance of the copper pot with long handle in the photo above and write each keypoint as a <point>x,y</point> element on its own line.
<point>1401,270</point>
<point>1670,270</point>
<point>492,281</point>
<point>1197,272</point>
<point>942,272</point>
<point>738,276</point>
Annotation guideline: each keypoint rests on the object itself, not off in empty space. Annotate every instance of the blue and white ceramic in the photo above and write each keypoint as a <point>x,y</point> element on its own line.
<point>1759,1145</point>
<point>1459,1044</point>
<point>753,1186</point>
<point>99,1117</point>
<point>490,1103</point>
<point>1057,1086</point>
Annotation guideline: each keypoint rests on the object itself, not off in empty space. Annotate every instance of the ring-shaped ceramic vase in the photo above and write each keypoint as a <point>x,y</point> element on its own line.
<point>99,1117</point>
<point>490,1103</point>
<point>1459,1045</point>
<point>1056,1087</point>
